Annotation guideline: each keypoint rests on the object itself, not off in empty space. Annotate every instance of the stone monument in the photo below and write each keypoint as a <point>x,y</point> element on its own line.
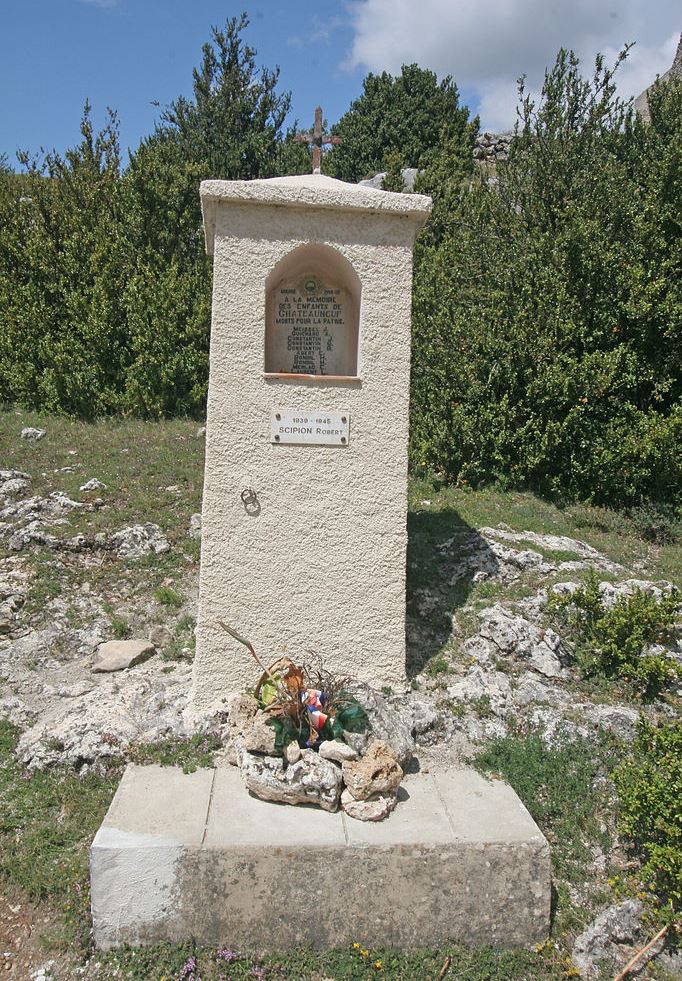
<point>305,495</point>
<point>303,547</point>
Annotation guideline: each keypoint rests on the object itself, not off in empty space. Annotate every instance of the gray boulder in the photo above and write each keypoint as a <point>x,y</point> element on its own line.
<point>117,655</point>
<point>13,482</point>
<point>32,433</point>
<point>518,638</point>
<point>609,938</point>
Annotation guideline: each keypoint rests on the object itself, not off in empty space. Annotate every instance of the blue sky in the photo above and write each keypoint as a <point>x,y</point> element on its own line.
<point>129,53</point>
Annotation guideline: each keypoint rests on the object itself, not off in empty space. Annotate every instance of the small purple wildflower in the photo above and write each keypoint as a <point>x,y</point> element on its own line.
<point>188,970</point>
<point>225,954</point>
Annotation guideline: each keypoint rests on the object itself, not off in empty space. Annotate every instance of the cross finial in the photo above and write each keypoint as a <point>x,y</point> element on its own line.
<point>317,139</point>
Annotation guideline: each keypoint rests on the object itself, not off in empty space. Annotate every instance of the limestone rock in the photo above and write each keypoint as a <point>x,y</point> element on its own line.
<point>599,946</point>
<point>409,176</point>
<point>612,592</point>
<point>478,684</point>
<point>92,485</point>
<point>117,655</point>
<point>137,541</point>
<point>13,482</point>
<point>480,556</point>
<point>293,753</point>
<point>388,722</point>
<point>334,749</point>
<point>160,636</point>
<point>424,716</point>
<point>195,526</point>
<point>309,781</point>
<point>516,637</point>
<point>249,725</point>
<point>376,773</point>
<point>375,808</point>
<point>32,433</point>
<point>619,720</point>
<point>144,705</point>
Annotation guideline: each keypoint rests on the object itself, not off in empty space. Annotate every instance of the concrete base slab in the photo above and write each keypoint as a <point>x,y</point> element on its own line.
<point>195,856</point>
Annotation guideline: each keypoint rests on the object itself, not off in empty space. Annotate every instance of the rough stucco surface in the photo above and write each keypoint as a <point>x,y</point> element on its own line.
<point>459,859</point>
<point>321,566</point>
<point>306,191</point>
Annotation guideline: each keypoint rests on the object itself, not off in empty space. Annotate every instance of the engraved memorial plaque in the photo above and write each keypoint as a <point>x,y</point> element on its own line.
<point>319,427</point>
<point>311,329</point>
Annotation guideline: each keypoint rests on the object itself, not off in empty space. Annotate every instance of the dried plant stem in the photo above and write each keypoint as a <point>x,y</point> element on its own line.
<point>249,646</point>
<point>640,953</point>
<point>445,968</point>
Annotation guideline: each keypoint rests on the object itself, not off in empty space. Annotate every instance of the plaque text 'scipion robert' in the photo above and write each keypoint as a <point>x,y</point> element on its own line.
<point>312,332</point>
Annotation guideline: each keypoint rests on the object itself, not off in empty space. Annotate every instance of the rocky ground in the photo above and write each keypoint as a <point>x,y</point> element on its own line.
<point>486,657</point>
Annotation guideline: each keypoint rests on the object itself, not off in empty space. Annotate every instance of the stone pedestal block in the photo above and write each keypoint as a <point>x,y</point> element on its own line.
<point>193,855</point>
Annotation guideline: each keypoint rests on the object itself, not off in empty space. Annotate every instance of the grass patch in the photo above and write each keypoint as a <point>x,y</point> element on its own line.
<point>353,963</point>
<point>560,787</point>
<point>169,597</point>
<point>45,583</point>
<point>47,821</point>
<point>138,461</point>
<point>190,753</point>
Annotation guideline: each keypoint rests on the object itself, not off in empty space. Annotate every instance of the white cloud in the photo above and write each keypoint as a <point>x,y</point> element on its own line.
<point>487,44</point>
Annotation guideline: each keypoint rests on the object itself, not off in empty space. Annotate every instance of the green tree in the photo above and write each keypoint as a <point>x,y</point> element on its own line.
<point>407,114</point>
<point>63,264</point>
<point>231,128</point>
<point>546,308</point>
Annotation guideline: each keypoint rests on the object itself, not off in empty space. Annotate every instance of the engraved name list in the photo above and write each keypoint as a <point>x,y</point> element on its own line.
<point>311,332</point>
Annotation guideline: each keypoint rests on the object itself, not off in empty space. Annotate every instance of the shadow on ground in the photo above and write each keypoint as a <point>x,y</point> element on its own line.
<point>439,578</point>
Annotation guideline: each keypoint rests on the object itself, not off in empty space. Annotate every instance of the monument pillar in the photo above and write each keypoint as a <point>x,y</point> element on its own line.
<point>305,496</point>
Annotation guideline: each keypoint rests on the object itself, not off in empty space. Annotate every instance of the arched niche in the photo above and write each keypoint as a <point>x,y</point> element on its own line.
<point>312,315</point>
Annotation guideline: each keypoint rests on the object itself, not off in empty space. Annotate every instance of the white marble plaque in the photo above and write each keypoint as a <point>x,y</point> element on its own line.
<point>319,428</point>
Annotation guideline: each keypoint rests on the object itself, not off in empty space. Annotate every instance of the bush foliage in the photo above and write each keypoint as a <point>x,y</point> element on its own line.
<point>104,281</point>
<point>547,297</point>
<point>548,304</point>
<point>649,784</point>
<point>622,641</point>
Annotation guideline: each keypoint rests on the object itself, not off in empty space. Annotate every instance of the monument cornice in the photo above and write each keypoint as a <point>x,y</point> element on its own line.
<point>309,191</point>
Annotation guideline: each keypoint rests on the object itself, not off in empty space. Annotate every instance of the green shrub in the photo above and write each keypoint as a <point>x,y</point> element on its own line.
<point>649,785</point>
<point>659,523</point>
<point>617,642</point>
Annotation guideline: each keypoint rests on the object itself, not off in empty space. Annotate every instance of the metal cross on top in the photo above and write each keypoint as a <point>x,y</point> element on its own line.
<point>317,139</point>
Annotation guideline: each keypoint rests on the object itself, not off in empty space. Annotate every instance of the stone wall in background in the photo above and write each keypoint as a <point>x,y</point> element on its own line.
<point>492,148</point>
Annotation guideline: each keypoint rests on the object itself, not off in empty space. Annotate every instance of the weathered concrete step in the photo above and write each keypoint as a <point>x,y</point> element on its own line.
<point>194,855</point>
